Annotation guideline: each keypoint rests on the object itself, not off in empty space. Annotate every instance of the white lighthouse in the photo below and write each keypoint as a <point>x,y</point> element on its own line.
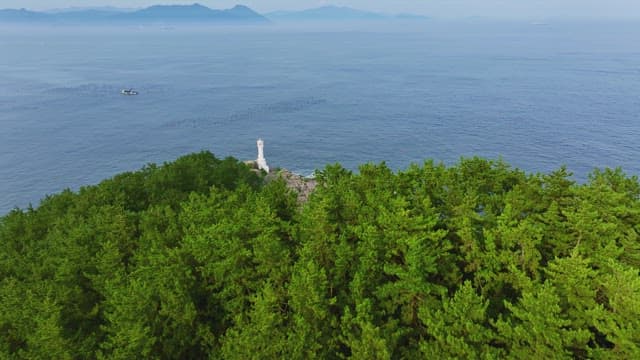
<point>261,161</point>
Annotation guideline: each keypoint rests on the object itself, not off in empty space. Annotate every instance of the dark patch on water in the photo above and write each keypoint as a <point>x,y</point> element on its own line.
<point>254,113</point>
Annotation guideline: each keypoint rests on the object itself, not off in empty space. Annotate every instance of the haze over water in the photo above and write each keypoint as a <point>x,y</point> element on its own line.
<point>538,96</point>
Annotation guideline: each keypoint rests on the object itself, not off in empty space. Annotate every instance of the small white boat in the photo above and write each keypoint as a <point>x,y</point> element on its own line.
<point>128,92</point>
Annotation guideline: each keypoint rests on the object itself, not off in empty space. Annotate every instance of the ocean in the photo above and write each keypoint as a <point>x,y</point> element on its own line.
<point>538,96</point>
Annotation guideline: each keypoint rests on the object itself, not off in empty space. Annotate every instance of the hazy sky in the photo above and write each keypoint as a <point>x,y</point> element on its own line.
<point>440,8</point>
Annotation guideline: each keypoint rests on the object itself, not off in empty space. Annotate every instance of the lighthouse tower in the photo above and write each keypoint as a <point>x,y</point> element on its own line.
<point>261,161</point>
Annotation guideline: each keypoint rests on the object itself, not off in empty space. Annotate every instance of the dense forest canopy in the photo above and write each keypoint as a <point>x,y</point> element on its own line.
<point>200,258</point>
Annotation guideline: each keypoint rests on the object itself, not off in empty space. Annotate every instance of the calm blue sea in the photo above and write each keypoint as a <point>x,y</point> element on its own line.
<point>537,95</point>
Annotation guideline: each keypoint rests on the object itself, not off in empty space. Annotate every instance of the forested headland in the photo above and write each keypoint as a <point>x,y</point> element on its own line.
<point>201,258</point>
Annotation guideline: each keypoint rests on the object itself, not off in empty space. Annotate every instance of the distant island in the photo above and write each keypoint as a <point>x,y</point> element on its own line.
<point>336,13</point>
<point>195,13</point>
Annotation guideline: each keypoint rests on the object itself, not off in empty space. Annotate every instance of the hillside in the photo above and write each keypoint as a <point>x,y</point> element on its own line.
<point>203,258</point>
<point>194,13</point>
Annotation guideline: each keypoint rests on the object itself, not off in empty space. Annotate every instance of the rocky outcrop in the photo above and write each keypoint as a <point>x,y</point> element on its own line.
<point>302,185</point>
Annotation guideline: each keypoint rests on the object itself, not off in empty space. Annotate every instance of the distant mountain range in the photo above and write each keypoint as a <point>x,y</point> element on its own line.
<point>195,13</point>
<point>335,13</point>
<point>85,8</point>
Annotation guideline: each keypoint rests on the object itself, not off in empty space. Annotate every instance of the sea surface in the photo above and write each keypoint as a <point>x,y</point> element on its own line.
<point>537,95</point>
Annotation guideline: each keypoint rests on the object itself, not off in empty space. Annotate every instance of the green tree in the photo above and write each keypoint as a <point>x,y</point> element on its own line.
<point>535,326</point>
<point>458,328</point>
